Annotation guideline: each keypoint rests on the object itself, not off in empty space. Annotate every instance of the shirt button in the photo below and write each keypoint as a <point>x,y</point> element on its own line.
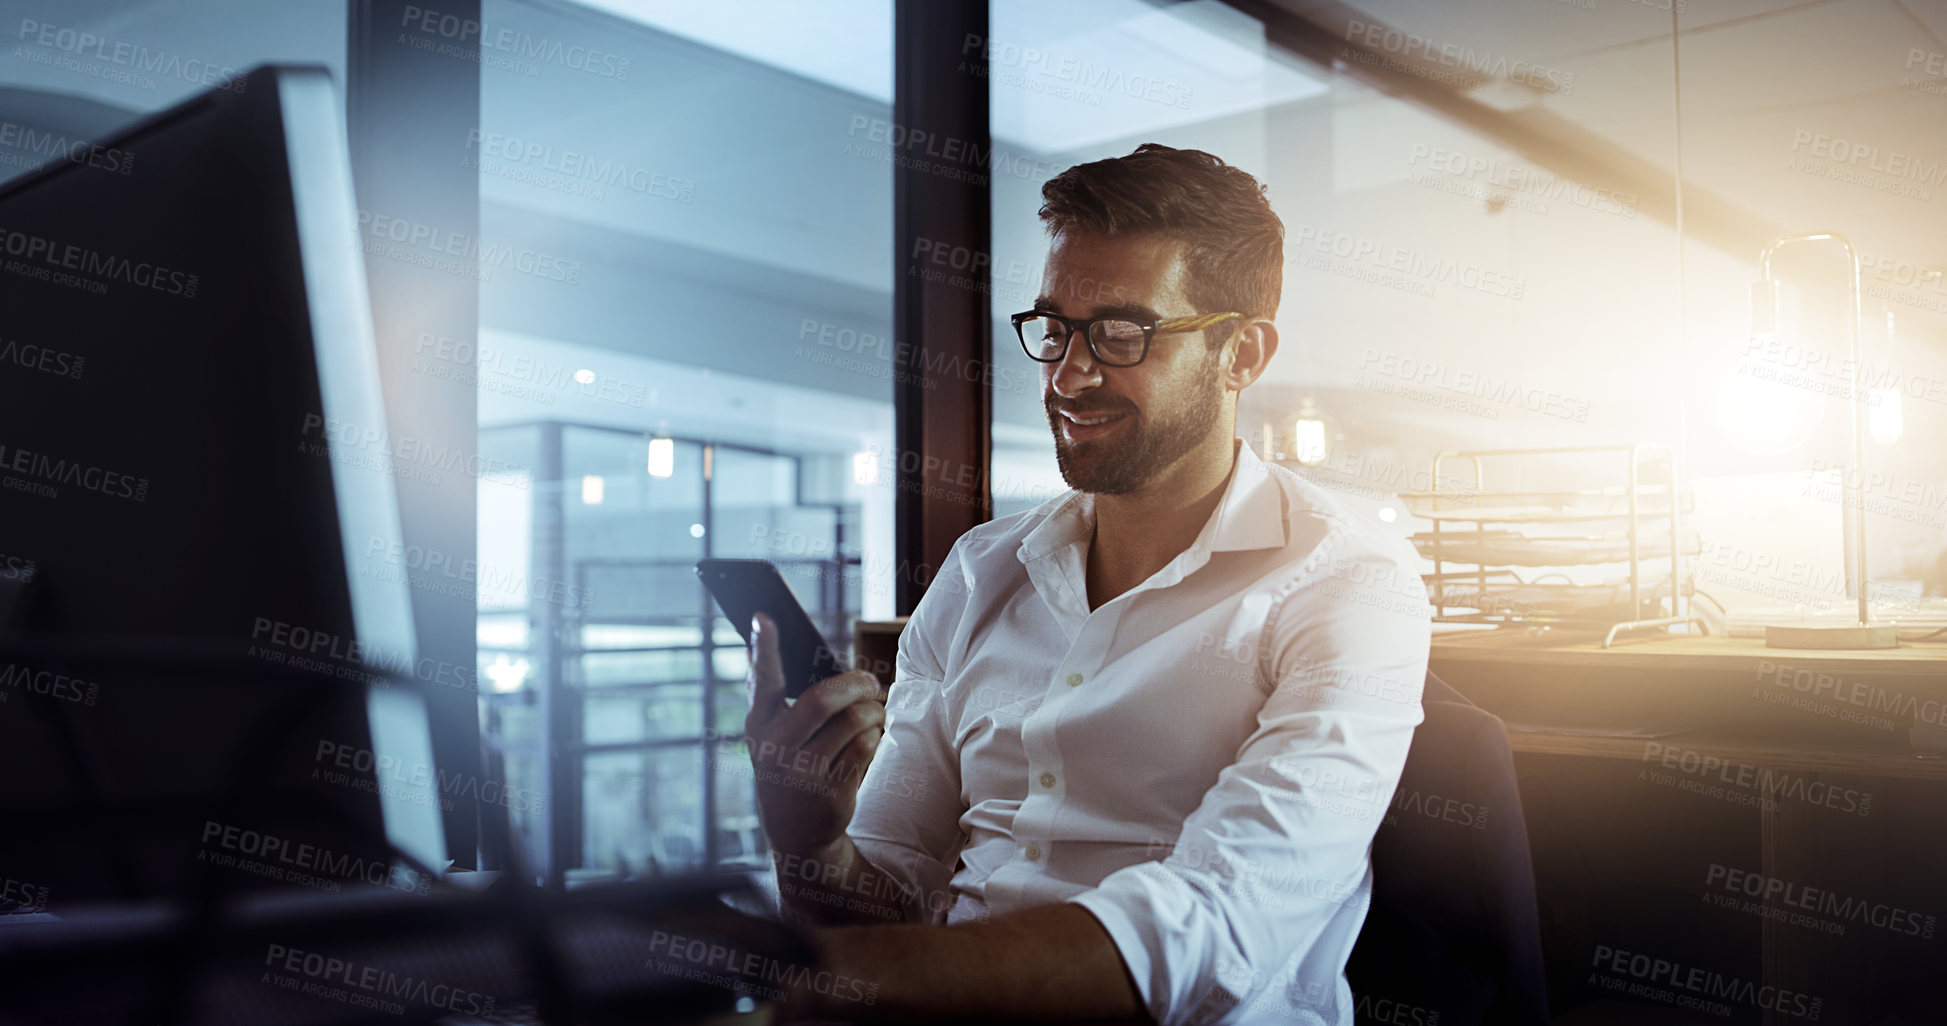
<point>1033,853</point>
<point>1074,679</point>
<point>1047,780</point>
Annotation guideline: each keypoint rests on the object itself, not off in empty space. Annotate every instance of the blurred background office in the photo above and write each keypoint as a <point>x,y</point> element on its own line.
<point>684,264</point>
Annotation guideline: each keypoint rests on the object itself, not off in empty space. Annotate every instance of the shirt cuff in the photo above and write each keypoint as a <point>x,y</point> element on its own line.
<point>1145,969</point>
<point>906,879</point>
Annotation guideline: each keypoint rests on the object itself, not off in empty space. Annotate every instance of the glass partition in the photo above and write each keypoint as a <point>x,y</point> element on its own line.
<point>701,365</point>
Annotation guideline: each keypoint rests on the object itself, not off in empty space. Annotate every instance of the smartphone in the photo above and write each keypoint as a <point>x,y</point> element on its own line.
<point>746,587</point>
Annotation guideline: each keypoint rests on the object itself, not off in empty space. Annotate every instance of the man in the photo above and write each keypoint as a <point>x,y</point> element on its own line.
<point>1141,736</point>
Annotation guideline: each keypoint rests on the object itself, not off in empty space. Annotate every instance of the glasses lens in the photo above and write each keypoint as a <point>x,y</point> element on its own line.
<point>1118,342</point>
<point>1043,337</point>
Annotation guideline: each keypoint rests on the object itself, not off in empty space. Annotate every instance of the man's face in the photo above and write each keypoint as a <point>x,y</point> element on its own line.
<point>1159,409</point>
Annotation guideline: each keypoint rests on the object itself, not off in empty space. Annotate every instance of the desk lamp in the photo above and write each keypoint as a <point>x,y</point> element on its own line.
<point>1764,319</point>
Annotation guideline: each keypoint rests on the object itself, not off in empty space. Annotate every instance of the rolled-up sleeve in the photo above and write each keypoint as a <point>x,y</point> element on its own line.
<point>907,821</point>
<point>1260,900</point>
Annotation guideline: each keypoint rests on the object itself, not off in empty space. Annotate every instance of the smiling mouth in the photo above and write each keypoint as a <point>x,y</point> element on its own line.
<point>1082,428</point>
<point>1103,418</point>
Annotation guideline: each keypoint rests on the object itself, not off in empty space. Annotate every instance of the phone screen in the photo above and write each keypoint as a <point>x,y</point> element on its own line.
<point>746,587</point>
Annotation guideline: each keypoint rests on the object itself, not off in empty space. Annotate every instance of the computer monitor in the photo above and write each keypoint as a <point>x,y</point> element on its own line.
<point>206,670</point>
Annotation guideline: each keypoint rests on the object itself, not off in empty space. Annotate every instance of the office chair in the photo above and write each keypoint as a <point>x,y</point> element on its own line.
<point>1453,927</point>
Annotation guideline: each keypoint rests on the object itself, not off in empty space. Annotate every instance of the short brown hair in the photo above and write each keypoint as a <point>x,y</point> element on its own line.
<point>1233,243</point>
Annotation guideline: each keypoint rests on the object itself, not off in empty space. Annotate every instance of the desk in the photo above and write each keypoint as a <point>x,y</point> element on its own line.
<point>1813,769</point>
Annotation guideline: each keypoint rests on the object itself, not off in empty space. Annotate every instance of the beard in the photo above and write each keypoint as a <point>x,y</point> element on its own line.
<point>1143,446</point>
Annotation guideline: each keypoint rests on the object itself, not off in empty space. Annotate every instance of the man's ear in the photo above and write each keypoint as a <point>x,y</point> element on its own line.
<point>1253,346</point>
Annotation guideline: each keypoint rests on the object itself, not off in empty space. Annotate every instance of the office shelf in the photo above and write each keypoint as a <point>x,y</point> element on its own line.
<point>1489,532</point>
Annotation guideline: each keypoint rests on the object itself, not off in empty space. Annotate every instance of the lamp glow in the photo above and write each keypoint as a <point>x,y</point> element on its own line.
<point>507,675</point>
<point>1883,417</point>
<point>1308,436</point>
<point>592,487</point>
<point>865,468</point>
<point>1764,318</point>
<point>662,457</point>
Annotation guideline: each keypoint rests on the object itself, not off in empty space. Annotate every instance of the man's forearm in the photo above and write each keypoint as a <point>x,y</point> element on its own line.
<point>1050,962</point>
<point>836,887</point>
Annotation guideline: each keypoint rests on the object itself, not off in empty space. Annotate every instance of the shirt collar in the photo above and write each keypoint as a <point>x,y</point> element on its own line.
<point>1250,515</point>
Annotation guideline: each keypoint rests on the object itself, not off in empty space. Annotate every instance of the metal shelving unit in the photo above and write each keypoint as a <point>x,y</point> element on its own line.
<point>1494,531</point>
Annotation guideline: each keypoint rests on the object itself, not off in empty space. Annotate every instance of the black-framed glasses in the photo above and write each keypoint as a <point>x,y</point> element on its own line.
<point>1120,341</point>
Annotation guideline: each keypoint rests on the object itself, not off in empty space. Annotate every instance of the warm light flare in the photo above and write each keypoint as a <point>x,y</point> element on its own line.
<point>662,457</point>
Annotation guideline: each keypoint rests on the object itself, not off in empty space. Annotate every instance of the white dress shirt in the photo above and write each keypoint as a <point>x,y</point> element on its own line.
<point>1200,763</point>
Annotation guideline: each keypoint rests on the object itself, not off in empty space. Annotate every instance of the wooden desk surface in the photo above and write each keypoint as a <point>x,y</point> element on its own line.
<point>1733,698</point>
<point>1680,652</point>
<point>1824,755</point>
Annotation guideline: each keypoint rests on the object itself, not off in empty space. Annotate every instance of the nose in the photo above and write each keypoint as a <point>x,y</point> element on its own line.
<point>1076,372</point>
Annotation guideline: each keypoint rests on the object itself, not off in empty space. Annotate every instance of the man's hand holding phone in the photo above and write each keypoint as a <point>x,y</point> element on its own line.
<point>809,755</point>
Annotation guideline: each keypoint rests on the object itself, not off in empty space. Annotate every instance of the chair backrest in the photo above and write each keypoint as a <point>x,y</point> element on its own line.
<point>1453,927</point>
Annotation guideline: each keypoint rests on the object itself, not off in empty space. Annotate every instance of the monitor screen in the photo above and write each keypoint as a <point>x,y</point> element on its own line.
<point>197,481</point>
